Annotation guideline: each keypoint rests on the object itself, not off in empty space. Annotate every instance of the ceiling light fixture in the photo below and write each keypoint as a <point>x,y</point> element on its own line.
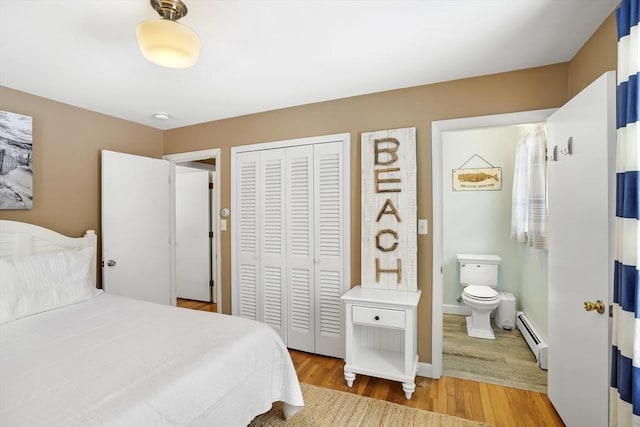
<point>161,116</point>
<point>165,41</point>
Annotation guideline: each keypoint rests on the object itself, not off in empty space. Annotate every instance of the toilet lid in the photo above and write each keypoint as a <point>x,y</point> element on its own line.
<point>480,292</point>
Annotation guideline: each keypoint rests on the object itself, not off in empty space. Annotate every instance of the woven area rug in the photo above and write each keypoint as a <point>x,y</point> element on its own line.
<point>333,408</point>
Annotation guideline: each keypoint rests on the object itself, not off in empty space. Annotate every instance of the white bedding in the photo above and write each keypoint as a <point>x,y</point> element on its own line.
<point>113,361</point>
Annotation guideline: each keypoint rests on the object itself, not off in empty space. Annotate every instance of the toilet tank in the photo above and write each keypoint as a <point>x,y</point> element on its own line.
<point>481,270</point>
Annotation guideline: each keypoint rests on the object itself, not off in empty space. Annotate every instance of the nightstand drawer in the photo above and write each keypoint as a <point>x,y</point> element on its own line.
<point>378,317</point>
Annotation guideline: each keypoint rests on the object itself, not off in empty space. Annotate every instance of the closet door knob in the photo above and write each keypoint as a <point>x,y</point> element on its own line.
<point>376,318</point>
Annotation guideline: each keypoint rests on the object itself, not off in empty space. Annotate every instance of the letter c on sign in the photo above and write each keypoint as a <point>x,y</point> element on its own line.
<point>389,248</point>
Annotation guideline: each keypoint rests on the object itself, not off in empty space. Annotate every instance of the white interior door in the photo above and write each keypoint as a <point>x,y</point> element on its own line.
<point>329,249</point>
<point>246,262</point>
<point>290,262</point>
<point>273,259</point>
<point>192,234</point>
<point>581,189</point>
<point>300,255</point>
<point>136,208</point>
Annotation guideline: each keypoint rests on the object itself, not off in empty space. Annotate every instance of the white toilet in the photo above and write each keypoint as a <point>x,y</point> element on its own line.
<point>479,278</point>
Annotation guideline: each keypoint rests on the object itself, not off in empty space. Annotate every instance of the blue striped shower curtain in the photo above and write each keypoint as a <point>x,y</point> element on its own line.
<point>625,352</point>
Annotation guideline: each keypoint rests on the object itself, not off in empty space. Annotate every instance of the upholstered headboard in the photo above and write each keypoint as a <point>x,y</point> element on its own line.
<point>23,239</point>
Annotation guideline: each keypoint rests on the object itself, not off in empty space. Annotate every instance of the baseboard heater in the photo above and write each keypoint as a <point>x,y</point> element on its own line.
<point>533,338</point>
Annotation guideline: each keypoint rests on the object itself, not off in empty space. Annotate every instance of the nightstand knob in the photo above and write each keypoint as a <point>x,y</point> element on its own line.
<point>376,318</point>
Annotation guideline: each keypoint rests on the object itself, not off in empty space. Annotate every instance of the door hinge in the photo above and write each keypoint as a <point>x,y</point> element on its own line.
<point>211,186</point>
<point>211,283</point>
<point>610,310</point>
<point>211,234</point>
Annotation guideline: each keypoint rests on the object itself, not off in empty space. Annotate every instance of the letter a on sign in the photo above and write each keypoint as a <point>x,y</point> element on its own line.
<point>388,209</point>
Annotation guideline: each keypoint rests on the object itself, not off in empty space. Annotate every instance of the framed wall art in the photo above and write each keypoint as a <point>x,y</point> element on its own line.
<point>16,157</point>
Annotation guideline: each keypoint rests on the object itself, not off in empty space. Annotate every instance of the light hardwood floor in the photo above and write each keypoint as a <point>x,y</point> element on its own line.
<point>507,360</point>
<point>197,305</point>
<point>479,401</point>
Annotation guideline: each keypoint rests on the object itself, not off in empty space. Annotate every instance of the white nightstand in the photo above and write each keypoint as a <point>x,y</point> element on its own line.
<point>381,333</point>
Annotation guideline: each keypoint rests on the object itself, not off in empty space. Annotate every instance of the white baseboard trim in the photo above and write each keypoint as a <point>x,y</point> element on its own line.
<point>462,310</point>
<point>426,370</point>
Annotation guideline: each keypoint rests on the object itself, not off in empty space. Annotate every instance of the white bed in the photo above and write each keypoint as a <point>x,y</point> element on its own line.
<point>98,359</point>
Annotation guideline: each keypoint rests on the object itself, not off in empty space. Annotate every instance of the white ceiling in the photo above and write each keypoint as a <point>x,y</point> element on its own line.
<point>260,55</point>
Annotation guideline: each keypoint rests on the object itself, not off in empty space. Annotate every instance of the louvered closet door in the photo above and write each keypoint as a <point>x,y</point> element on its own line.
<point>247,250</point>
<point>300,266</point>
<point>329,249</point>
<point>273,259</point>
<point>289,242</point>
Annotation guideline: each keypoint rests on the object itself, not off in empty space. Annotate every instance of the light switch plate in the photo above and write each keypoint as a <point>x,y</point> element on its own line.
<point>423,226</point>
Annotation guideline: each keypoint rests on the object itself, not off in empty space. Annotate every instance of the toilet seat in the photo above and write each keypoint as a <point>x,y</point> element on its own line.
<point>480,293</point>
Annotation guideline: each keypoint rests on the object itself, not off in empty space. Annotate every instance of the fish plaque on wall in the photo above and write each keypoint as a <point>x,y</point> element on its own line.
<point>477,179</point>
<point>16,157</point>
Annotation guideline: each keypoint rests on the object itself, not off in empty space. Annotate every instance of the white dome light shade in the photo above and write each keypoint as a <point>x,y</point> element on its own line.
<point>168,43</point>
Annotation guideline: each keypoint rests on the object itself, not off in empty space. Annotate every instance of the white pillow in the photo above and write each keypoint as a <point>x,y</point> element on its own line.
<point>32,284</point>
<point>8,290</point>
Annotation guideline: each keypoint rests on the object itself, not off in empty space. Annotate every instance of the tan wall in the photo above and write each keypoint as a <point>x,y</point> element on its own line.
<point>66,159</point>
<point>537,88</point>
<point>599,54</point>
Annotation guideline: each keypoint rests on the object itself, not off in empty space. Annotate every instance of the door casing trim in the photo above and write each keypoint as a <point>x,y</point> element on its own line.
<point>437,129</point>
<point>191,156</point>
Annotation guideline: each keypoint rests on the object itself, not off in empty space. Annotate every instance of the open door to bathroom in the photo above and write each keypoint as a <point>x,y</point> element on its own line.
<point>581,187</point>
<point>581,225</point>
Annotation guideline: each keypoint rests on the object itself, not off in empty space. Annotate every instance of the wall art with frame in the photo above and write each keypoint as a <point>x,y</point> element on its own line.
<point>16,159</point>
